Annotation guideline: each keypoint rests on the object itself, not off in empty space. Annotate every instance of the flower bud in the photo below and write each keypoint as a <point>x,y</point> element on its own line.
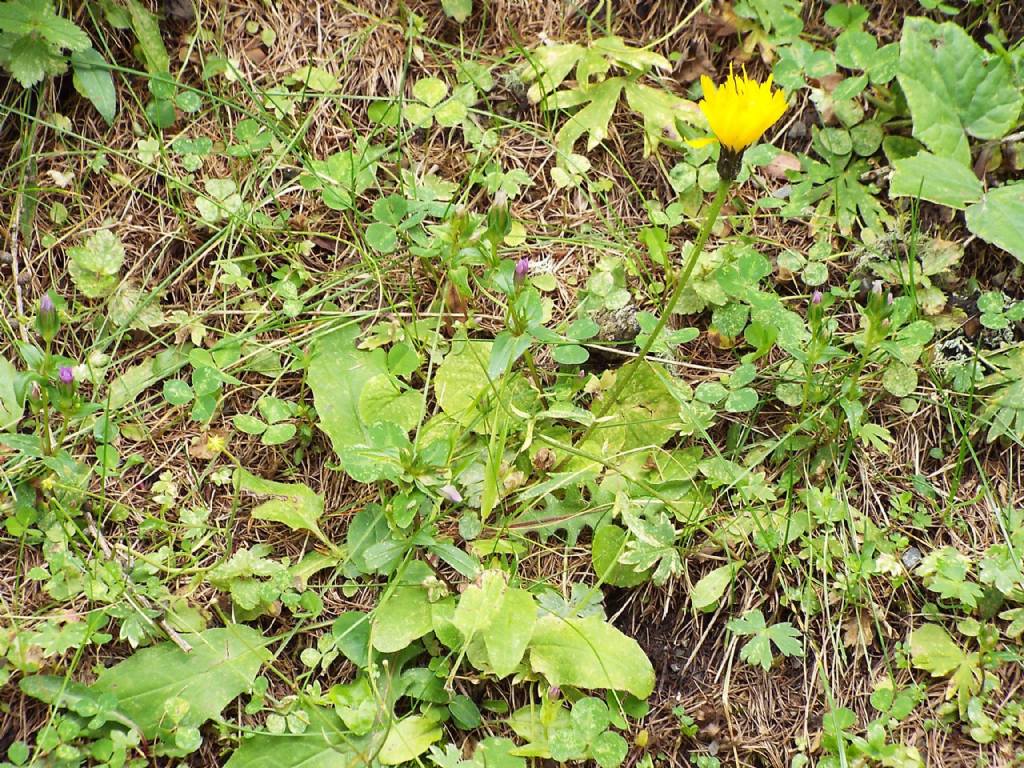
<point>450,492</point>
<point>816,297</point>
<point>522,270</point>
<point>47,320</point>
<point>499,222</point>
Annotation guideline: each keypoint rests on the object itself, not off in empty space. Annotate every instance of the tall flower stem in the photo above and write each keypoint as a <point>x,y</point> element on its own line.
<point>679,282</point>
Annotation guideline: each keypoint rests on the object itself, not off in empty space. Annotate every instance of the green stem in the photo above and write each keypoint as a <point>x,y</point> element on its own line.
<point>680,280</point>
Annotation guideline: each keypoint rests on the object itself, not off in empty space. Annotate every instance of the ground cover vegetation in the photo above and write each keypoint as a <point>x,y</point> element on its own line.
<point>501,383</point>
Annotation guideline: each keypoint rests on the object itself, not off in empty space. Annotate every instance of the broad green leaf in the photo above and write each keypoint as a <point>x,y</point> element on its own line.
<point>382,400</point>
<point>462,386</point>
<point>12,405</point>
<point>899,379</point>
<point>934,651</point>
<point>999,218</point>
<point>326,743</point>
<point>221,665</point>
<point>457,10</point>
<point>589,653</point>
<point>430,90</point>
<point>480,603</point>
<point>952,86</point>
<point>941,180</point>
<point>510,631</point>
<point>93,80</point>
<point>609,749</point>
<point>709,590</point>
<point>408,739</point>
<point>293,504</point>
<point>337,374</point>
<point>401,618</point>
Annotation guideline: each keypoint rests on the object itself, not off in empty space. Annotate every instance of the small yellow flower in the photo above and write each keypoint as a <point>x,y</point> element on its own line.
<point>739,111</point>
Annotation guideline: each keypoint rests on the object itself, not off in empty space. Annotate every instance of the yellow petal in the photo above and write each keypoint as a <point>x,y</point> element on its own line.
<point>701,142</point>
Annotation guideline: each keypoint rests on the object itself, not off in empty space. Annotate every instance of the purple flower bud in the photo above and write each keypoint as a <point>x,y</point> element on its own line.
<point>888,299</point>
<point>66,374</point>
<point>522,270</point>
<point>47,322</point>
<point>816,297</point>
<point>450,492</point>
<point>876,287</point>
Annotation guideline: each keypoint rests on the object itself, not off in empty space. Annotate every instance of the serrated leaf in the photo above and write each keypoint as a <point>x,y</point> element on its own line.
<point>953,86</point>
<point>899,379</point>
<point>997,218</point>
<point>37,18</point>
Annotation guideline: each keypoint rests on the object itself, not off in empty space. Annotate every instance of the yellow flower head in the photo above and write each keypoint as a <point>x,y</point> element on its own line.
<point>740,110</point>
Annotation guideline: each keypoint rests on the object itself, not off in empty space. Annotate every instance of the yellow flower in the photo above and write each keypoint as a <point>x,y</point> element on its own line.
<point>739,111</point>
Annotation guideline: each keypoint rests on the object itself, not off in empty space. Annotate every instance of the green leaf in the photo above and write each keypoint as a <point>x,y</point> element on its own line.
<point>382,400</point>
<point>609,749</point>
<point>941,180</point>
<point>293,504</point>
<point>899,379</point>
<point>933,650</point>
<point>997,218</point>
<point>709,590</point>
<point>479,604</point>
<point>221,665</point>
<point>589,653</point>
<point>95,82</point>
<point>381,237</point>
<point>37,19</point>
<point>430,90</point>
<point>325,743</point>
<point>337,397</point>
<point>12,405</point>
<point>408,739</point>
<point>402,618</point>
<point>94,264</point>
<point>457,10</point>
<point>510,631</point>
<point>952,85</point>
<point>29,60</point>
<point>146,27</point>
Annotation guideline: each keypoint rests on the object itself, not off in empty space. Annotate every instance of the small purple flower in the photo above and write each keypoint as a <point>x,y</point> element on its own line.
<point>816,297</point>
<point>66,374</point>
<point>450,492</point>
<point>46,303</point>
<point>889,299</point>
<point>522,270</point>
<point>876,287</point>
